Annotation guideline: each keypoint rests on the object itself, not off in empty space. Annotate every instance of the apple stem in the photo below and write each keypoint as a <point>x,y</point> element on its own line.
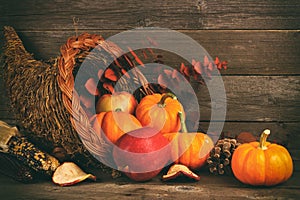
<point>263,139</point>
<point>182,122</point>
<point>161,103</point>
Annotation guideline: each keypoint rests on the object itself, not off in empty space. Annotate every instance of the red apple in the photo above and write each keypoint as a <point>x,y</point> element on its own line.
<point>142,153</point>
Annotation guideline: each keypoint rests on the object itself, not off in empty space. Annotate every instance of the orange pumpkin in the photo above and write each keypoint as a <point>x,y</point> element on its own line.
<point>118,100</point>
<point>160,111</point>
<point>262,163</point>
<point>114,124</point>
<point>189,149</point>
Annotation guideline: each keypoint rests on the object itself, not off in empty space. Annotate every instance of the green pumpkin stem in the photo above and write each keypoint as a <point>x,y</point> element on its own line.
<point>118,110</point>
<point>182,122</point>
<point>263,139</point>
<point>161,103</point>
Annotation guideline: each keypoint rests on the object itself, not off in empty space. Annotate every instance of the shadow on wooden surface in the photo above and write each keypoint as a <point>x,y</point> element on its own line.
<point>209,187</point>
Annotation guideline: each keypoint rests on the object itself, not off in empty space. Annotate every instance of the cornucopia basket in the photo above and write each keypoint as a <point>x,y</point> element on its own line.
<point>45,102</point>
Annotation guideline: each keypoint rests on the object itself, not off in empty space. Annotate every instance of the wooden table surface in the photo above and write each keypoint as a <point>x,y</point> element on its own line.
<point>209,187</point>
<point>259,39</point>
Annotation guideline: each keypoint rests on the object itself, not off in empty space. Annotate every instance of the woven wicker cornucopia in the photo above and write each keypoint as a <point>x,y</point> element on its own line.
<point>43,97</point>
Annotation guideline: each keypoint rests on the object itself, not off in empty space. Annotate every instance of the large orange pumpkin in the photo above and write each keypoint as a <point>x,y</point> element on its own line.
<point>262,163</point>
<point>114,124</point>
<point>189,149</point>
<point>118,100</point>
<point>160,111</point>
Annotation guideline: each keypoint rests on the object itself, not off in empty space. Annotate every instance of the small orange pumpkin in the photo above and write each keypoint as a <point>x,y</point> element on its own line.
<point>262,163</point>
<point>118,100</point>
<point>114,124</point>
<point>189,149</point>
<point>160,111</point>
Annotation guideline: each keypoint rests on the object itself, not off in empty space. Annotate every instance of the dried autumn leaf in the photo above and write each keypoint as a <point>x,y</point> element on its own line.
<point>161,81</point>
<point>151,52</point>
<point>197,67</point>
<point>108,86</point>
<point>152,42</point>
<point>117,63</point>
<point>125,73</point>
<point>100,73</point>
<point>128,60</point>
<point>110,74</point>
<point>210,66</point>
<point>217,61</point>
<point>177,170</point>
<point>224,64</point>
<point>91,87</point>
<point>206,61</point>
<point>137,59</point>
<point>144,54</point>
<point>176,75</point>
<point>168,72</point>
<point>185,71</point>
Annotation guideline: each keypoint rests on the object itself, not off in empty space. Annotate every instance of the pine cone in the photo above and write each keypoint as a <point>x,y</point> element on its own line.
<point>220,156</point>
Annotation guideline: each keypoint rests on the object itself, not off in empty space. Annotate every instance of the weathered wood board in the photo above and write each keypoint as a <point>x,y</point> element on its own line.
<point>259,39</point>
<point>209,187</point>
<point>188,14</point>
<point>248,52</point>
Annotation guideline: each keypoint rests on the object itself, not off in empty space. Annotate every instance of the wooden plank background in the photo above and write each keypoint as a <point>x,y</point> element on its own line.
<point>259,39</point>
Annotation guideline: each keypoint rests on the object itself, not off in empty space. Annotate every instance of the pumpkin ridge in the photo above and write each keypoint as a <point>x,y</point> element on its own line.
<point>248,173</point>
<point>243,162</point>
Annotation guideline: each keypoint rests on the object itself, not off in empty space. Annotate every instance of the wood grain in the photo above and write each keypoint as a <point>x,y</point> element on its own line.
<point>209,187</point>
<point>249,98</point>
<point>189,14</point>
<point>247,51</point>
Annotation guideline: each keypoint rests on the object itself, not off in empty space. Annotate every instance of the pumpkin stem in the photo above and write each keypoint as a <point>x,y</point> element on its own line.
<point>263,139</point>
<point>161,103</point>
<point>118,110</point>
<point>182,122</point>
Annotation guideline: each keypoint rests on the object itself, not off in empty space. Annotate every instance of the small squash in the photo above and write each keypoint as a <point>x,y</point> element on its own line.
<point>118,100</point>
<point>262,163</point>
<point>160,111</point>
<point>189,149</point>
<point>114,124</point>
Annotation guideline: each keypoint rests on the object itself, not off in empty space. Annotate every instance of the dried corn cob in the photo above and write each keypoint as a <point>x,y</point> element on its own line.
<point>10,166</point>
<point>14,144</point>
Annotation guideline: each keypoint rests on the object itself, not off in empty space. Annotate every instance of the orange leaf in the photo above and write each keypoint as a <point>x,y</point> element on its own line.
<point>151,52</point>
<point>129,61</point>
<point>125,73</point>
<point>144,53</point>
<point>206,61</point>
<point>161,81</point>
<point>109,87</point>
<point>91,87</point>
<point>197,67</point>
<point>224,64</point>
<point>110,74</point>
<point>182,67</point>
<point>137,59</point>
<point>152,42</point>
<point>176,75</point>
<point>217,61</point>
<point>100,73</point>
<point>117,63</point>
<point>210,66</point>
<point>168,72</point>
